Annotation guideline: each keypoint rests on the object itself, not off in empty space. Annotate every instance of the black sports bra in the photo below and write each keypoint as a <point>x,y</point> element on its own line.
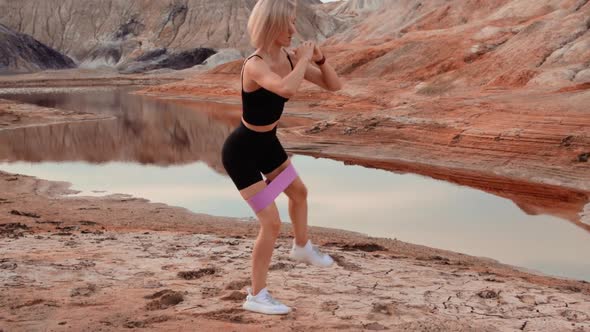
<point>261,107</point>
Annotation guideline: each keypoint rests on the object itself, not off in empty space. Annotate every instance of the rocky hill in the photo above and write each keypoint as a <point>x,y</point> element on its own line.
<point>433,46</point>
<point>113,32</point>
<point>19,52</point>
<point>458,43</point>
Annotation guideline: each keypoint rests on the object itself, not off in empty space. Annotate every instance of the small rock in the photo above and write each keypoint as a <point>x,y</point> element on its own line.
<point>168,299</point>
<point>84,291</point>
<point>68,228</point>
<point>190,275</point>
<point>381,309</point>
<point>87,223</point>
<point>528,299</point>
<point>375,327</point>
<point>330,306</point>
<point>238,284</point>
<point>8,266</point>
<point>367,247</point>
<point>488,294</point>
<point>24,214</point>
<point>572,288</point>
<point>574,316</point>
<point>567,141</point>
<point>14,230</point>
<point>234,296</point>
<point>281,266</point>
<point>349,131</point>
<point>158,294</point>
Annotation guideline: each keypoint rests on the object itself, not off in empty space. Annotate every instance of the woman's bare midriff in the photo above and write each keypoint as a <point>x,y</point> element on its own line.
<point>260,129</point>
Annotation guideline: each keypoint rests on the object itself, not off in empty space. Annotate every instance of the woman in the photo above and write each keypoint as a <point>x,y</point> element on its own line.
<point>270,76</point>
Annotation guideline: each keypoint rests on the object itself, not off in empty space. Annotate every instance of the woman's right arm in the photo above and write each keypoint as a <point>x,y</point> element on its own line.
<point>287,86</point>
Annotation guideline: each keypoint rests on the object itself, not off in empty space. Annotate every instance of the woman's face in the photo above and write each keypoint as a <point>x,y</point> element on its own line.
<point>286,36</point>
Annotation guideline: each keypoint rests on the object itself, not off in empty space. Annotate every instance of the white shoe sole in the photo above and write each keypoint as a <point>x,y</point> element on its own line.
<point>303,260</point>
<point>255,307</point>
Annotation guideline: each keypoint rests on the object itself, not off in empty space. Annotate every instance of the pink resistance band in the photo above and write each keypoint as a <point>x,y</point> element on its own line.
<point>266,196</point>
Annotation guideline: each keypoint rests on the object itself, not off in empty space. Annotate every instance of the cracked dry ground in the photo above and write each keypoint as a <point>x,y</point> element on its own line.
<point>79,278</point>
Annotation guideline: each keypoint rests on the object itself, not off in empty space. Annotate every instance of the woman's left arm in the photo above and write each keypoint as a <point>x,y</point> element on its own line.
<point>322,75</point>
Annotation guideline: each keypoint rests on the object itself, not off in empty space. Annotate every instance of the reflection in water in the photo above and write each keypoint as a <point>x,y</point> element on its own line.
<point>187,137</point>
<point>531,198</point>
<point>145,131</point>
<point>105,100</point>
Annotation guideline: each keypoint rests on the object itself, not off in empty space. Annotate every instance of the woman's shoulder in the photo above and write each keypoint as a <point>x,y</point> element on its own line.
<point>254,60</point>
<point>255,66</point>
<point>254,57</point>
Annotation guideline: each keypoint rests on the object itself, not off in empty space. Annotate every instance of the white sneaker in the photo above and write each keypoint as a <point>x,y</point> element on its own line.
<point>264,303</point>
<point>310,254</point>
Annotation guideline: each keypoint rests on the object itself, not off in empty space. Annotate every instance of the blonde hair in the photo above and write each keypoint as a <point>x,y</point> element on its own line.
<point>268,19</point>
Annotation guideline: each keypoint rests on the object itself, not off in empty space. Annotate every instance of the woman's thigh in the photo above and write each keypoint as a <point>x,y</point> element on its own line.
<point>238,158</point>
<point>272,158</point>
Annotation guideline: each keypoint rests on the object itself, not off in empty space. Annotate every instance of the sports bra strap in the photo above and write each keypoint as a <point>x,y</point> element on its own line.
<point>244,65</point>
<point>288,57</point>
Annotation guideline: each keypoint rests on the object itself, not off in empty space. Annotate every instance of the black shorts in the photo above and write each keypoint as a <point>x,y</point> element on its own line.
<point>247,153</point>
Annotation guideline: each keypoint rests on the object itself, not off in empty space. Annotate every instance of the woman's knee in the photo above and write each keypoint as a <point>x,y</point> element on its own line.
<point>297,191</point>
<point>270,220</point>
<point>273,228</point>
